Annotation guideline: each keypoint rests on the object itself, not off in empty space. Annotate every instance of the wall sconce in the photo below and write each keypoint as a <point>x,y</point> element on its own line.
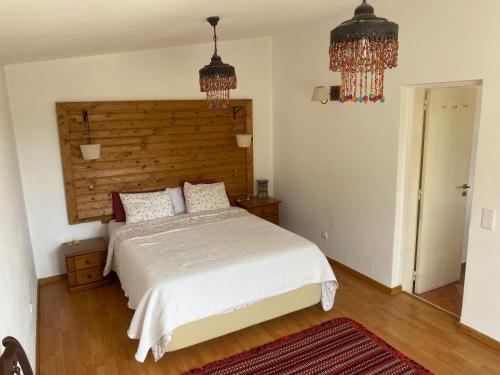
<point>89,151</point>
<point>321,94</point>
<point>244,140</point>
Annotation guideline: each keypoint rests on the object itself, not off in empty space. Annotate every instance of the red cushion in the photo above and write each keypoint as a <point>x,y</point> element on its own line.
<point>118,209</point>
<point>208,181</point>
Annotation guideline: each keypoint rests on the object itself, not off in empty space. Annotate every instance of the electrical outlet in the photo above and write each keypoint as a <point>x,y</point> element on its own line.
<point>324,235</point>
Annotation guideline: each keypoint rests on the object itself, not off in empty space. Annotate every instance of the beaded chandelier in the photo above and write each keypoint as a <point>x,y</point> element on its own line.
<point>361,49</point>
<point>217,78</point>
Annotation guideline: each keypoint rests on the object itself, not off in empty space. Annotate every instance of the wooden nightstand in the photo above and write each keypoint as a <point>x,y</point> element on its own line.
<point>85,263</point>
<point>265,208</point>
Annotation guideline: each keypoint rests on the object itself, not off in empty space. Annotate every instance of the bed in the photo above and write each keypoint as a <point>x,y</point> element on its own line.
<point>194,277</point>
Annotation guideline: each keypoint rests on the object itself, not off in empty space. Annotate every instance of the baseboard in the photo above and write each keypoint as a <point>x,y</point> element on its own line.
<point>52,279</point>
<point>491,342</point>
<point>369,280</point>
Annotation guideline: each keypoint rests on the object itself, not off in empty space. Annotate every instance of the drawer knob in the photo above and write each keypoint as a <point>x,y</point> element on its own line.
<point>88,261</point>
<point>89,276</point>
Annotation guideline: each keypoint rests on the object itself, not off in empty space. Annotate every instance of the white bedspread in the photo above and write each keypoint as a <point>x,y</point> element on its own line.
<point>188,267</point>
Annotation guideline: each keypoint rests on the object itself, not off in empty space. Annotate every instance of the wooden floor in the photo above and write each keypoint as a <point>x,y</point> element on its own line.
<point>448,297</point>
<point>85,333</point>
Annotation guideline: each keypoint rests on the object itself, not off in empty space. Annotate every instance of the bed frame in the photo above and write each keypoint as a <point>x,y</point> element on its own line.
<point>219,325</point>
<point>147,145</point>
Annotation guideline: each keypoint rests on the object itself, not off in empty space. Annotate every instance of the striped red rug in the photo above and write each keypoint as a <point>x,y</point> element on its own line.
<point>339,346</point>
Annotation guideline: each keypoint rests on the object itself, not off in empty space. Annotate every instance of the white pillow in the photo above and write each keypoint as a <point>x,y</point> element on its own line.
<point>177,199</point>
<point>146,206</point>
<point>205,197</point>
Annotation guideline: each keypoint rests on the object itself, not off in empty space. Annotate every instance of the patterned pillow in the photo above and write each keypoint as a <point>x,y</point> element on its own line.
<point>118,209</point>
<point>205,197</point>
<point>147,206</point>
<point>232,201</point>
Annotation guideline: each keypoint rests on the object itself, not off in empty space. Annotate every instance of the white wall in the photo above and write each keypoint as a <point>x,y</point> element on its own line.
<point>336,166</point>
<point>18,283</point>
<point>159,74</point>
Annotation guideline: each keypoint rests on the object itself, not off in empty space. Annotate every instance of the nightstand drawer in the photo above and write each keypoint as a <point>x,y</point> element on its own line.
<point>265,211</point>
<point>90,275</point>
<point>273,219</point>
<point>87,261</point>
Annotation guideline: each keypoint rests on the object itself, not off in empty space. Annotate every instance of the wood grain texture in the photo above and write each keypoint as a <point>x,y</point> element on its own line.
<point>85,263</point>
<point>85,333</point>
<point>265,208</point>
<point>254,202</point>
<point>81,247</point>
<point>52,279</point>
<point>479,336</point>
<point>148,145</point>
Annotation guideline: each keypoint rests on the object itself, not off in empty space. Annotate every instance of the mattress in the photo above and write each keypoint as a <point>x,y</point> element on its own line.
<point>190,267</point>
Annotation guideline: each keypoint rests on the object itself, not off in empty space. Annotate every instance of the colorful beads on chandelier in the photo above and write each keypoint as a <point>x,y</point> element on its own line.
<point>217,78</point>
<point>217,88</point>
<point>361,49</point>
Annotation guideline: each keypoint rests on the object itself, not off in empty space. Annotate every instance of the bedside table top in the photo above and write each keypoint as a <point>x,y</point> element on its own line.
<point>257,202</point>
<point>85,246</point>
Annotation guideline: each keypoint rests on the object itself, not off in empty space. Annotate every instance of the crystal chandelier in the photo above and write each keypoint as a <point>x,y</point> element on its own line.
<point>361,49</point>
<point>217,78</point>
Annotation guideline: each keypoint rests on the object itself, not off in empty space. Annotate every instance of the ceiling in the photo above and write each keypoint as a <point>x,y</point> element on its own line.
<point>32,30</point>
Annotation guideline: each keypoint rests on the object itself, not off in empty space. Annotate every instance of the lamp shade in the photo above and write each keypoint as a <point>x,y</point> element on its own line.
<point>320,94</point>
<point>244,140</point>
<point>91,151</point>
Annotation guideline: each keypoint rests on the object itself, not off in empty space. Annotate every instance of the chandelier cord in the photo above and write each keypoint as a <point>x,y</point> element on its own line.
<point>215,40</point>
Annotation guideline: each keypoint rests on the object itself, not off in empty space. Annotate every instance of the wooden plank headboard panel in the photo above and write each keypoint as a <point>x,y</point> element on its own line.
<point>148,145</point>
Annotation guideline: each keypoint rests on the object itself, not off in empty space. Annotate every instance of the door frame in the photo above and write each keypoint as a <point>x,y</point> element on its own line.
<point>407,186</point>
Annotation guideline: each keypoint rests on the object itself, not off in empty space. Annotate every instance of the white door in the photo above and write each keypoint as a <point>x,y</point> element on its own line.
<point>445,179</point>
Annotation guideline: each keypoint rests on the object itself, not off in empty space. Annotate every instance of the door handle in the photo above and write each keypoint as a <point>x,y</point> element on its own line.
<point>464,186</point>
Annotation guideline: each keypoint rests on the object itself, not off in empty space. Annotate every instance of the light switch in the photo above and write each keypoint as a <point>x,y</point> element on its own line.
<point>488,219</point>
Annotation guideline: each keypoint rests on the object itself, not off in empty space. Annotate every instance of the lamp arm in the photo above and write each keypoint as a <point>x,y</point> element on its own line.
<point>86,123</point>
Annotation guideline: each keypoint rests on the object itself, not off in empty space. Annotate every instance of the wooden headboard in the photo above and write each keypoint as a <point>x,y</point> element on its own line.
<point>148,145</point>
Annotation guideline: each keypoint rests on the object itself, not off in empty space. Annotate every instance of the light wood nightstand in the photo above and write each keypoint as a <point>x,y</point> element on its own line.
<point>265,208</point>
<point>85,261</point>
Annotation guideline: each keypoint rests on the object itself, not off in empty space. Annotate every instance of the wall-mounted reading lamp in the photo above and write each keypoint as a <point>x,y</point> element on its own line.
<point>244,140</point>
<point>89,151</point>
<point>321,94</point>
